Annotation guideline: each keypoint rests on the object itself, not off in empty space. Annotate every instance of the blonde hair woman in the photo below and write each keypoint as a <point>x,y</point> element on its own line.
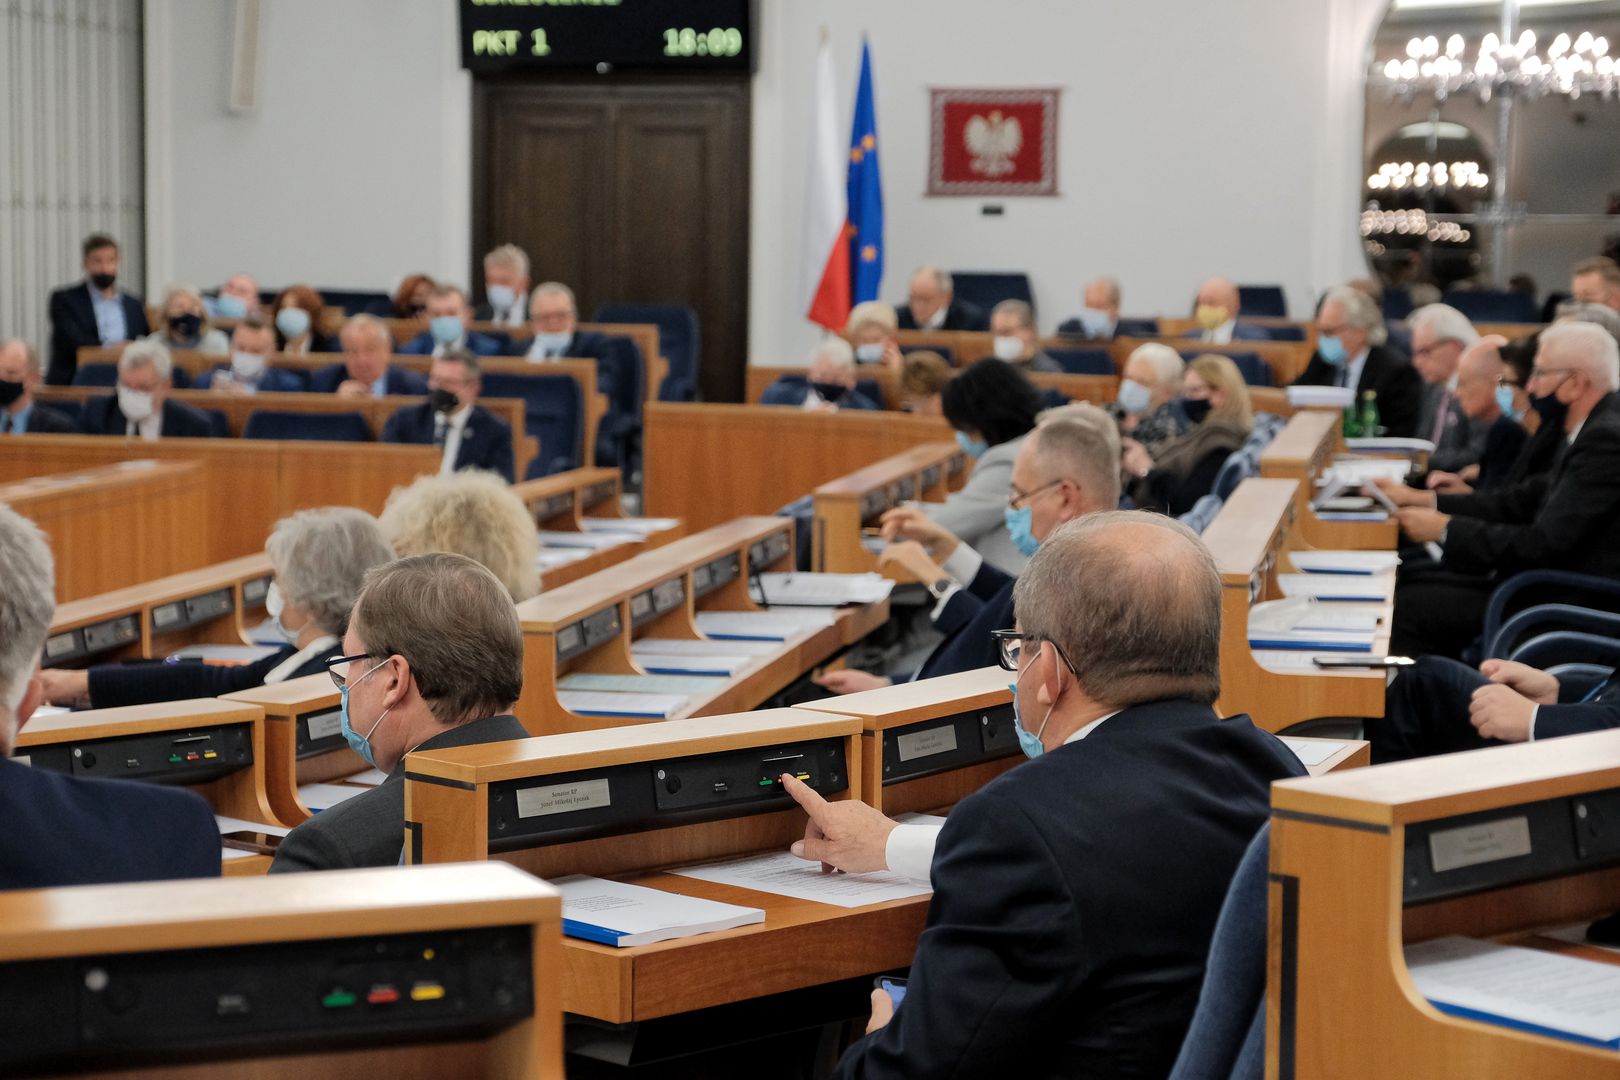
<point>1215,400</point>
<point>468,513</point>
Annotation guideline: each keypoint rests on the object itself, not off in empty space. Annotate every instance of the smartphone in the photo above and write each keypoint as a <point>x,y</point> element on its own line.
<point>259,843</point>
<point>895,988</point>
<point>1363,661</point>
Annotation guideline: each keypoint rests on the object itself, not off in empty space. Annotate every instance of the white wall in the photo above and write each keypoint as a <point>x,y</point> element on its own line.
<point>1194,139</point>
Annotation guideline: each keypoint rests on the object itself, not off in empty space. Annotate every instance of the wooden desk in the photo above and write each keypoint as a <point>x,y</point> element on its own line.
<point>1303,451</point>
<point>927,745</point>
<point>1249,538</point>
<point>252,483</point>
<point>588,626</point>
<point>1353,880</point>
<point>489,935</point>
<point>152,507</point>
<point>303,741</point>
<point>843,507</point>
<point>706,464</point>
<point>1099,389</point>
<point>564,502</point>
<point>167,743</point>
<point>216,605</point>
<point>463,804</point>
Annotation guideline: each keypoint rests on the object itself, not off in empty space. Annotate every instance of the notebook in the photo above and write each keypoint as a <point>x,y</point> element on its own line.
<point>622,915</point>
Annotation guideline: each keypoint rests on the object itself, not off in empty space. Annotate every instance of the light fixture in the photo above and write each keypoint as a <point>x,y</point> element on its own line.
<point>1379,222</point>
<point>1569,68</point>
<point>1440,175</point>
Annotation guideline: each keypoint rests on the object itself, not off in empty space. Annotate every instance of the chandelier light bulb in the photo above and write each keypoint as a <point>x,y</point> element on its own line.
<point>1600,46</point>
<point>1490,44</point>
<point>1414,48</point>
<point>1454,46</point>
<point>1584,42</point>
<point>1431,47</point>
<point>1560,46</point>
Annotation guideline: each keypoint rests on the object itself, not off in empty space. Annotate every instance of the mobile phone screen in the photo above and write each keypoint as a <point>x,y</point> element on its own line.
<point>257,842</point>
<point>895,988</point>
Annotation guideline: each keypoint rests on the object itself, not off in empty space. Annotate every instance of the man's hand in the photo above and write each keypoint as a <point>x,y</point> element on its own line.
<point>1444,483</point>
<point>910,557</point>
<point>1421,526</point>
<point>849,681</point>
<point>1135,459</point>
<point>1532,683</point>
<point>1401,495</point>
<point>353,388</point>
<point>1498,712</point>
<point>846,835</point>
<point>910,523</point>
<point>64,687</point>
<point>882,1011</point>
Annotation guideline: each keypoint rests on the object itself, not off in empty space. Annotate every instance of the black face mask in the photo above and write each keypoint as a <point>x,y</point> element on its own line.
<point>185,326</point>
<point>1551,410</point>
<point>9,393</point>
<point>103,281</point>
<point>830,392</point>
<point>443,401</point>
<point>1196,410</point>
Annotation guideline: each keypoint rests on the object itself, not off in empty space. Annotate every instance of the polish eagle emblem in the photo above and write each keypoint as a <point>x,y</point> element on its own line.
<point>993,141</point>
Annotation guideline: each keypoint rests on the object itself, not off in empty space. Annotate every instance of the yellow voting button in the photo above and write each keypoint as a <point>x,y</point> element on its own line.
<point>427,992</point>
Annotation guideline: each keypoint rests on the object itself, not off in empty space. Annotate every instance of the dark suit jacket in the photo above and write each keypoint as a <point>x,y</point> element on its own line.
<point>1074,901</point>
<point>114,685</point>
<point>480,344</point>
<point>1463,440</point>
<point>73,324</point>
<point>44,420</point>
<point>983,605</point>
<point>486,440</point>
<point>485,313</point>
<point>102,416</point>
<point>327,379</point>
<point>369,829</point>
<point>1565,518</point>
<point>793,394</point>
<point>585,344</point>
<point>1504,441</point>
<point>1386,373</point>
<point>66,830</point>
<point>1576,718</point>
<point>274,380</point>
<point>1243,331</point>
<point>960,315</point>
<point>1538,455</point>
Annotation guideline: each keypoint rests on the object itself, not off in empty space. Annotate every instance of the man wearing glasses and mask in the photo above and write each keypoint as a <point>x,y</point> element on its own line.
<point>433,658</point>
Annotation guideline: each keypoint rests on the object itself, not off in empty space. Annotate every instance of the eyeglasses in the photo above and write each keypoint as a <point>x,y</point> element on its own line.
<point>1508,380</point>
<point>1010,648</point>
<point>1021,498</point>
<point>338,668</point>
<point>1541,373</point>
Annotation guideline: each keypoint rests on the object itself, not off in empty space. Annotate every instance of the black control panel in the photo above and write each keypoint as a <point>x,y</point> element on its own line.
<point>599,493</point>
<point>1512,845</point>
<point>662,598</point>
<point>763,554</point>
<point>903,489</point>
<point>930,476</point>
<point>191,611</point>
<point>71,645</point>
<point>640,795</point>
<point>254,591</point>
<point>553,506</point>
<point>319,733</point>
<point>949,742</point>
<point>165,1007</point>
<point>715,573</point>
<point>588,633</point>
<point>182,756</point>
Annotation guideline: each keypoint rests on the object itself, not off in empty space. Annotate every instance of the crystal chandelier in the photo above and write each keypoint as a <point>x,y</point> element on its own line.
<point>1441,175</point>
<point>1569,68</point>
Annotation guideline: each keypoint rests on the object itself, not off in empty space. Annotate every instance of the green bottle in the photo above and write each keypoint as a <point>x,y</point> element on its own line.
<point>1370,425</point>
<point>1352,423</point>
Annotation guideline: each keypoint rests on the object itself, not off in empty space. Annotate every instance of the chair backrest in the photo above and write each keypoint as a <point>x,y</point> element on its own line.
<point>553,412</point>
<point>98,374</point>
<point>1084,361</point>
<point>1397,304</point>
<point>1051,398</point>
<point>1286,333</point>
<point>626,377</point>
<point>313,427</point>
<point>1237,468</point>
<point>356,301</point>
<point>1489,305</point>
<point>69,407</point>
<point>803,513</point>
<point>222,423</point>
<point>872,390</point>
<point>784,390</point>
<point>1139,328</point>
<point>987,289</point>
<point>1203,512</point>
<point>1252,366</point>
<point>1263,301</point>
<point>945,352</point>
<point>679,340</point>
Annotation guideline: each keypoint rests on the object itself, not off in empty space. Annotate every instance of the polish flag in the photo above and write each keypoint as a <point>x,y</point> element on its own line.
<point>824,253</point>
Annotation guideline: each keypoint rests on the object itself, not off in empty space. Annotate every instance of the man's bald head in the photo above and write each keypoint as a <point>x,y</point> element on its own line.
<point>1133,601</point>
<point>1222,293</point>
<point>1478,369</point>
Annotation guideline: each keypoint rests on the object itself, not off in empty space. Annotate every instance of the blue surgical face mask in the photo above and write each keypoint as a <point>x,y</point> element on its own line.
<point>1504,401</point>
<point>501,297</point>
<point>360,744</point>
<point>446,329</point>
<point>229,307</point>
<point>548,344</point>
<point>973,448</point>
<point>293,322</point>
<point>1019,523</point>
<point>1331,349</point>
<point>1134,398</point>
<point>870,353</point>
<point>1029,742</point>
<point>274,605</point>
<point>1095,323</point>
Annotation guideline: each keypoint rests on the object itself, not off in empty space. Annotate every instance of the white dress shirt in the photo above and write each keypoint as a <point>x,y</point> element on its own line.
<point>910,849</point>
<point>1221,335</point>
<point>148,429</point>
<point>937,319</point>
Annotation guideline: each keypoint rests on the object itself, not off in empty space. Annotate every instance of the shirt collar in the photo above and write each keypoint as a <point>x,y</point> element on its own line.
<point>1089,728</point>
<point>282,671</point>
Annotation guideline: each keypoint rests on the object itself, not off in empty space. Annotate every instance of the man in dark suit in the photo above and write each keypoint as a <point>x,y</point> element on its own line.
<point>472,437</point>
<point>1099,313</point>
<point>365,370</point>
<point>828,385</point>
<point>506,284</point>
<point>1562,519</point>
<point>447,315</point>
<point>1479,377</point>
<point>554,329</point>
<point>1053,945</point>
<point>63,830</point>
<point>141,407</point>
<point>1217,310</point>
<point>20,414</point>
<point>408,686</point>
<point>933,305</point>
<point>92,312</point>
<point>1440,334</point>
<point>1066,468</point>
<point>249,372</point>
<point>1351,351</point>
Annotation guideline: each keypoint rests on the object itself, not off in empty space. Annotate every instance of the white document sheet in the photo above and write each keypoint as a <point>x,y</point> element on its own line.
<point>782,874</point>
<point>320,797</point>
<point>685,685</point>
<point>592,541</point>
<point>1390,444</point>
<point>1330,397</point>
<point>810,590</point>
<point>1562,995</point>
<point>1357,471</point>
<point>595,703</point>
<point>666,664</point>
<point>1289,662</point>
<point>639,526</point>
<point>614,913</point>
<point>780,624</point>
<point>1575,934</point>
<point>1306,613</point>
<point>551,558</point>
<point>703,647</point>
<point>1344,562</point>
<point>1312,752</point>
<point>1379,588</point>
<point>369,778</point>
<point>230,824</point>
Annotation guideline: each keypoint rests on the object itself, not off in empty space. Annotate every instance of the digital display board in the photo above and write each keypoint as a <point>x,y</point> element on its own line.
<point>607,35</point>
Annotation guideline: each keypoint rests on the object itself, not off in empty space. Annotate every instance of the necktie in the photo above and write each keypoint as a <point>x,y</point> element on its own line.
<point>1440,417</point>
<point>5,423</point>
<point>440,431</point>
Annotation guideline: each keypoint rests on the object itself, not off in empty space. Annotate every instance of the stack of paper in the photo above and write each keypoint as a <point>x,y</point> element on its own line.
<point>591,541</point>
<point>1321,397</point>
<point>1359,470</point>
<point>369,778</point>
<point>784,875</point>
<point>1371,589</point>
<point>596,703</point>
<point>551,558</point>
<point>613,913</point>
<point>1345,562</point>
<point>226,655</point>
<point>1312,752</point>
<point>1390,444</point>
<point>1565,997</point>
<point>640,526</point>
<point>775,625</point>
<point>686,685</point>
<point>320,797</point>
<point>680,656</point>
<point>819,590</point>
<point>1300,623</point>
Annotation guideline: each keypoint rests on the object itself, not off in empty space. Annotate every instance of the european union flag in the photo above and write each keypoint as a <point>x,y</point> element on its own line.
<point>865,193</point>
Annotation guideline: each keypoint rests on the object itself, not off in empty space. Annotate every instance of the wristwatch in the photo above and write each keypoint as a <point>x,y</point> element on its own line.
<point>940,587</point>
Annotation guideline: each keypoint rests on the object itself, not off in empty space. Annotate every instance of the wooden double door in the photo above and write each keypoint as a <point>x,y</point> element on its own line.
<point>634,190</point>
